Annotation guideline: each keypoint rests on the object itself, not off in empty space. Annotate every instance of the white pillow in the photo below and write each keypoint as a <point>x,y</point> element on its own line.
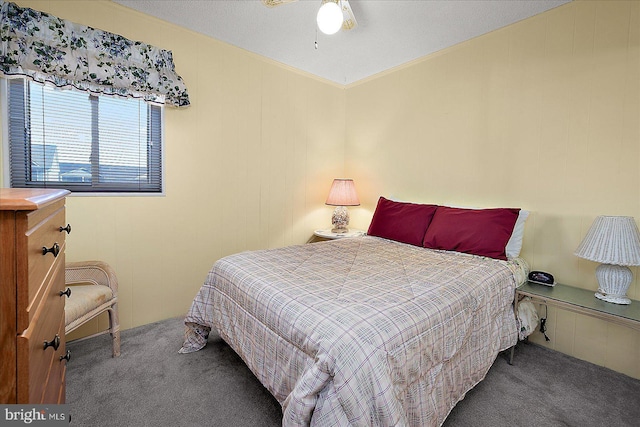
<point>514,245</point>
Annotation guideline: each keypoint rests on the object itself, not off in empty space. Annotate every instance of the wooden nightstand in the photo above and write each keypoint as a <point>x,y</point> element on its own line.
<point>326,234</point>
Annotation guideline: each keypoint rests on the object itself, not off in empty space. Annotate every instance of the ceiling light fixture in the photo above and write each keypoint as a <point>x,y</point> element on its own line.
<point>330,17</point>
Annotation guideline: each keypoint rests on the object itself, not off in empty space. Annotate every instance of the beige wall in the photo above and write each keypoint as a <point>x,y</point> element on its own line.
<point>248,165</point>
<point>542,115</point>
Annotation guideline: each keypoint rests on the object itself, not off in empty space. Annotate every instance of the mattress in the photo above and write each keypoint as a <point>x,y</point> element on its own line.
<point>360,331</point>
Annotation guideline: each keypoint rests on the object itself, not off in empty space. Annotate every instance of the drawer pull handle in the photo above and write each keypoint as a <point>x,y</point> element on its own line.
<point>55,343</point>
<point>66,357</point>
<point>55,250</point>
<point>67,292</point>
<point>67,229</point>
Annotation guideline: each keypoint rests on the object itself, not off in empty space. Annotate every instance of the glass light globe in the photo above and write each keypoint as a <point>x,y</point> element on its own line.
<point>329,18</point>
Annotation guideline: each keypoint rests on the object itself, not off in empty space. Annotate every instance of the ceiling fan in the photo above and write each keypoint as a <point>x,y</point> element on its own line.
<point>333,15</point>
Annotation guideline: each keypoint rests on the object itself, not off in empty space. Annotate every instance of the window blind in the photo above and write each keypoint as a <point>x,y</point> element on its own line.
<point>64,138</point>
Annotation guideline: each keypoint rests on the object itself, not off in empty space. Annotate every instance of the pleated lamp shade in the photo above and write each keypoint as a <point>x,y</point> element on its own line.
<point>343,193</point>
<point>612,240</point>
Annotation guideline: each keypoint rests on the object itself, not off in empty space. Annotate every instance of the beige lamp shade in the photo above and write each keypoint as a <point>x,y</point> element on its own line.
<point>612,240</point>
<point>343,193</point>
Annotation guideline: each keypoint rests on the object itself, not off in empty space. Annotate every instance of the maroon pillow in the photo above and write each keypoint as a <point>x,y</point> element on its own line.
<point>482,232</point>
<point>400,221</point>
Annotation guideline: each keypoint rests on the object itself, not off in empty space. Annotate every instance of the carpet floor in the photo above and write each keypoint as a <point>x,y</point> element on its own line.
<point>150,384</point>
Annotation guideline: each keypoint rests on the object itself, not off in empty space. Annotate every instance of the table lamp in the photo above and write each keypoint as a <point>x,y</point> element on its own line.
<point>342,194</point>
<point>613,241</point>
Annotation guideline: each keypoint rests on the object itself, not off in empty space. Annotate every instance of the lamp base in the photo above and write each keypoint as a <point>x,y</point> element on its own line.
<point>340,220</point>
<point>613,298</point>
<point>613,281</point>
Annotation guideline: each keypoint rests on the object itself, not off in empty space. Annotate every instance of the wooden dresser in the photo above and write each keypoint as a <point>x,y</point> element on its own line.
<point>32,341</point>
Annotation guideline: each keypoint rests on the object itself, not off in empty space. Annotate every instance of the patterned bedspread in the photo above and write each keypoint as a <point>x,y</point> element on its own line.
<point>360,331</point>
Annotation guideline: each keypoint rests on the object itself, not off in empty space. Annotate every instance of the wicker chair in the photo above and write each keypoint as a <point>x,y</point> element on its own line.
<point>93,290</point>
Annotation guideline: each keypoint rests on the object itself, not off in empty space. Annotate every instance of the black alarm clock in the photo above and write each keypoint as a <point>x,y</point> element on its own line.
<point>542,278</point>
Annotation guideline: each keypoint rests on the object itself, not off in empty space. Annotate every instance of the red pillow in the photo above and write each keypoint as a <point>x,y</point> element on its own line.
<point>482,232</point>
<point>402,222</point>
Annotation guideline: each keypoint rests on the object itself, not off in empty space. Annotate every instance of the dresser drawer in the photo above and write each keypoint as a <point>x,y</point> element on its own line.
<point>43,232</point>
<point>55,382</point>
<point>39,364</point>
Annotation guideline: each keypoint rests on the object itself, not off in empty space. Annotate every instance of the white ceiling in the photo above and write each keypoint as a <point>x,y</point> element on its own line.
<point>389,32</point>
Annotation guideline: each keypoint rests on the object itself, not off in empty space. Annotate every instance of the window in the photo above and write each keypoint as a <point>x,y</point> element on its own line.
<point>64,138</point>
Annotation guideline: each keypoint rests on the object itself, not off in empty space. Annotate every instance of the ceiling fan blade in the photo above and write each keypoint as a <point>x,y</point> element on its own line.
<point>274,3</point>
<point>349,22</point>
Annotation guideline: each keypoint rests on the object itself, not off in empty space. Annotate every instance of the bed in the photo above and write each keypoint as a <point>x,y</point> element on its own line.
<point>361,331</point>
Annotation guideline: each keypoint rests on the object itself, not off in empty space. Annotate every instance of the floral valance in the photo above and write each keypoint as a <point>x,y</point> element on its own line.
<point>49,49</point>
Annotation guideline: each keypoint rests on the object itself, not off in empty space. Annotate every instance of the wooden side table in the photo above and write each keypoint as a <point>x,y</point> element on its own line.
<point>581,301</point>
